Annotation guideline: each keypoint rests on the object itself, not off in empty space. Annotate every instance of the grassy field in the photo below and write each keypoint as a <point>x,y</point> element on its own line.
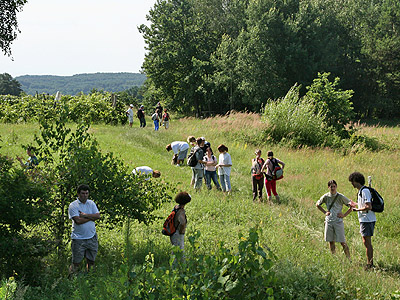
<point>292,230</point>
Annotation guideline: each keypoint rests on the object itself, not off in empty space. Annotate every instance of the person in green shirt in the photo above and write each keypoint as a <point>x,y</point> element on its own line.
<point>334,226</point>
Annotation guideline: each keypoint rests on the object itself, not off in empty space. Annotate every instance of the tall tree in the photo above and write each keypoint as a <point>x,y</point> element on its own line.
<point>9,86</point>
<point>8,23</point>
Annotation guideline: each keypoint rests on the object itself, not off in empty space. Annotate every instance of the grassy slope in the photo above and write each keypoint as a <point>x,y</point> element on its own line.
<point>292,230</point>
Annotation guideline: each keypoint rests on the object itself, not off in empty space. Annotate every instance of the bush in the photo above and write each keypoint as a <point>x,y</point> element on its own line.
<point>294,121</point>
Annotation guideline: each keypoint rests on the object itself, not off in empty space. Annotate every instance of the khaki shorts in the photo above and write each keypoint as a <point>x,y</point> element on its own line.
<point>334,232</point>
<point>84,248</point>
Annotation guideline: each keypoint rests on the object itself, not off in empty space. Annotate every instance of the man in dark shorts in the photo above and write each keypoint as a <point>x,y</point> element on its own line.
<point>83,213</point>
<point>366,216</point>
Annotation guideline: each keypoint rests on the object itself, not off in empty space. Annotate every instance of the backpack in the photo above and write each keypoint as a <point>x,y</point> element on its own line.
<point>169,226</point>
<point>154,117</point>
<point>192,159</point>
<point>377,202</point>
<point>277,172</point>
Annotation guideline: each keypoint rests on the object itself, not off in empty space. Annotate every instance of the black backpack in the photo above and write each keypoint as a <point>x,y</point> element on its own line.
<point>192,159</point>
<point>377,201</point>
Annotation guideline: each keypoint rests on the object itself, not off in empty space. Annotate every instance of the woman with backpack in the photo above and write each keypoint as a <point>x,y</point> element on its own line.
<point>270,179</point>
<point>165,119</point>
<point>256,175</point>
<point>210,170</point>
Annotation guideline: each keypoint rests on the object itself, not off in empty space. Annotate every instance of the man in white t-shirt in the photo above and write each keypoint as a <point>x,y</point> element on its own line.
<point>129,114</point>
<point>180,149</point>
<point>366,216</point>
<point>83,213</point>
<point>147,171</point>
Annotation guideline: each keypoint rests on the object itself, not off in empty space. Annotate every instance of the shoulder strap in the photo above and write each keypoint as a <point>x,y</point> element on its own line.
<point>333,202</point>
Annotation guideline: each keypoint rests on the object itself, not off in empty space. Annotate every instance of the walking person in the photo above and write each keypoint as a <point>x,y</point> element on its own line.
<point>141,116</point>
<point>270,182</point>
<point>156,120</point>
<point>366,216</point>
<point>83,213</point>
<point>224,168</point>
<point>180,220</point>
<point>334,225</point>
<point>210,169</point>
<point>257,176</point>
<point>129,114</point>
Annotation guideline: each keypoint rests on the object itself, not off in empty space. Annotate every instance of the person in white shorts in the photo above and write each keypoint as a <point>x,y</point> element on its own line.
<point>334,226</point>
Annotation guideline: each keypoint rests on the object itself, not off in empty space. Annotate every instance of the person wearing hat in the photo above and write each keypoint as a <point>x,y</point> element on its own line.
<point>129,114</point>
<point>140,115</point>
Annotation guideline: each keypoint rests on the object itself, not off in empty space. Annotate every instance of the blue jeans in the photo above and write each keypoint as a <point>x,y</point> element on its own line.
<point>212,175</point>
<point>156,125</point>
<point>225,182</point>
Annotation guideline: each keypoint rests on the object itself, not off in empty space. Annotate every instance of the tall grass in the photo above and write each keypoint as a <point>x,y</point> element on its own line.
<point>293,230</point>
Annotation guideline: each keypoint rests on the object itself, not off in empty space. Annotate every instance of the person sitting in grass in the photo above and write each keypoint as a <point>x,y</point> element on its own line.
<point>180,220</point>
<point>145,170</point>
<point>32,160</point>
<point>334,226</point>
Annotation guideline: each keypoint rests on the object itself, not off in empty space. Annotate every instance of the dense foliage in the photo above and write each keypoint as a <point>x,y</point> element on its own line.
<point>9,86</point>
<point>211,56</point>
<point>93,108</point>
<point>85,83</point>
<point>9,23</point>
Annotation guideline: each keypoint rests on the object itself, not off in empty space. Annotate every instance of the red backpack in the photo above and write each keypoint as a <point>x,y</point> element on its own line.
<point>169,226</point>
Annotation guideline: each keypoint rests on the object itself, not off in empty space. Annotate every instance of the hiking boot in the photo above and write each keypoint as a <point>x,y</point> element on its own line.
<point>278,200</point>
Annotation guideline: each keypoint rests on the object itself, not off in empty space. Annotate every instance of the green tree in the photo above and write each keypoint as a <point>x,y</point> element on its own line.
<point>9,23</point>
<point>9,86</point>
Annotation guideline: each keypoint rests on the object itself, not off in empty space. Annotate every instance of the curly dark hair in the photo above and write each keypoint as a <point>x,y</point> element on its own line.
<point>357,177</point>
<point>182,198</point>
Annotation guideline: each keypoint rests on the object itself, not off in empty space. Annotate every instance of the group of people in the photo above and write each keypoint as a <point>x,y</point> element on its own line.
<point>84,213</point>
<point>334,226</point>
<point>205,164</point>
<point>156,117</point>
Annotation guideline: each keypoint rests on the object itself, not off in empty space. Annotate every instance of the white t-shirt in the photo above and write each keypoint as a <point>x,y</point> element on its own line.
<point>224,159</point>
<point>130,113</point>
<point>179,146</point>
<point>82,231</point>
<point>143,170</point>
<point>364,197</point>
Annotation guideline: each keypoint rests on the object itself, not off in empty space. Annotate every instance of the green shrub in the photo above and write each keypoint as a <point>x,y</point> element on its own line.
<point>294,121</point>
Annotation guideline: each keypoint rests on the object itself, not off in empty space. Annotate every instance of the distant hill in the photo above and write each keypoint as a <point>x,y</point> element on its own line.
<point>71,85</point>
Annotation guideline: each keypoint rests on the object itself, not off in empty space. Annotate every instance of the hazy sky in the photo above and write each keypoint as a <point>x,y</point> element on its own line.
<point>67,37</point>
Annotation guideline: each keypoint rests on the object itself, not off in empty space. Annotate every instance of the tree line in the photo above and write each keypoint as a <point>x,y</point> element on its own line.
<point>218,55</point>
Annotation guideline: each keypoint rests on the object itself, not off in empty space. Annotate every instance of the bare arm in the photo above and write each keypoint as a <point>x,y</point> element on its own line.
<point>366,207</point>
<point>326,213</point>
<point>84,218</point>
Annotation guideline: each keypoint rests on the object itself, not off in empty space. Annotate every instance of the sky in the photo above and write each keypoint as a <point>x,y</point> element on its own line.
<point>67,37</point>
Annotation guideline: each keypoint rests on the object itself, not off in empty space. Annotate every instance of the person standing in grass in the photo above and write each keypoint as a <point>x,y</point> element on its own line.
<point>83,213</point>
<point>334,226</point>
<point>180,220</point>
<point>156,121</point>
<point>159,110</point>
<point>129,114</point>
<point>210,170</point>
<point>257,176</point>
<point>224,168</point>
<point>366,216</point>
<point>270,183</point>
<point>180,149</point>
<point>166,118</point>
<point>141,117</point>
<point>198,169</point>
